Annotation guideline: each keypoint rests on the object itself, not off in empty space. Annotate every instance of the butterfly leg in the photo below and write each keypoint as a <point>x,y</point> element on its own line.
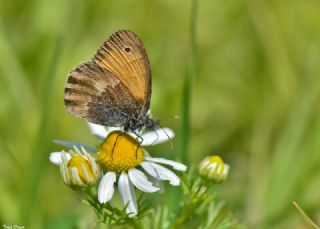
<point>115,143</point>
<point>169,139</point>
<point>140,142</point>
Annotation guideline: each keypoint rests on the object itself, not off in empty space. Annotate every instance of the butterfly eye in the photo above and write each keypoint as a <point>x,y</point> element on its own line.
<point>127,49</point>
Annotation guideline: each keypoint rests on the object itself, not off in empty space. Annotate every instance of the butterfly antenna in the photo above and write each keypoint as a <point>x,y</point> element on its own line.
<point>176,117</point>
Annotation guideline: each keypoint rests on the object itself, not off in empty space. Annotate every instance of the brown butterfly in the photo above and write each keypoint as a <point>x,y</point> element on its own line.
<point>114,89</point>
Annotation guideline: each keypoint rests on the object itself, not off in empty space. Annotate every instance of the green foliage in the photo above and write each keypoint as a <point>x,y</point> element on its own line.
<point>200,207</point>
<point>107,214</point>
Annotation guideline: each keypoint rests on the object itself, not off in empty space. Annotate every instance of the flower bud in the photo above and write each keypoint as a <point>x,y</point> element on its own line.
<point>78,168</point>
<point>214,169</point>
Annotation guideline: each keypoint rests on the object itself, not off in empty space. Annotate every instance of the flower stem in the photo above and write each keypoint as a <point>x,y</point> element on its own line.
<point>191,73</point>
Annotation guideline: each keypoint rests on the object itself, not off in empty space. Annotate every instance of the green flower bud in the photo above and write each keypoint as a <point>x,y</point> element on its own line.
<point>214,169</point>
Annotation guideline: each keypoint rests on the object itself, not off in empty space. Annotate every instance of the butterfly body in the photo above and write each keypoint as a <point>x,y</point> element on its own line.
<point>114,89</point>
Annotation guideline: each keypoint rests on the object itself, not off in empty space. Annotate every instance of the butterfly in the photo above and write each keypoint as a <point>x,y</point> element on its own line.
<point>114,88</point>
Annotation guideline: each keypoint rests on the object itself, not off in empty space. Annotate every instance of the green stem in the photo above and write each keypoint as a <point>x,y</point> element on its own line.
<point>191,73</point>
<point>183,144</point>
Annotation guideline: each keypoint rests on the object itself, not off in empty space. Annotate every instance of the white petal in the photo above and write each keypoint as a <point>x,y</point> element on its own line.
<point>204,163</point>
<point>147,166</point>
<point>155,178</point>
<point>225,171</point>
<point>101,132</point>
<point>157,136</point>
<point>176,165</point>
<point>55,157</point>
<point>141,181</point>
<point>161,173</point>
<point>75,144</point>
<point>75,177</point>
<point>212,166</point>
<point>127,194</point>
<point>111,129</point>
<point>157,183</point>
<point>64,172</point>
<point>98,130</point>
<point>106,189</point>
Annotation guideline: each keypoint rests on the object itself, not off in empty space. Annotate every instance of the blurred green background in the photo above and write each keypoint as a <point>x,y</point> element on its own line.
<point>254,99</point>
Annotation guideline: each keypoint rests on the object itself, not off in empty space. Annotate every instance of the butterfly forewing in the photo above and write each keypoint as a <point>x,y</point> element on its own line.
<point>124,55</point>
<point>96,94</point>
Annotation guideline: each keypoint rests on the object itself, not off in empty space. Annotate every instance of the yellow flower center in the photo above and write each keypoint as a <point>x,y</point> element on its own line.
<point>119,152</point>
<point>79,162</point>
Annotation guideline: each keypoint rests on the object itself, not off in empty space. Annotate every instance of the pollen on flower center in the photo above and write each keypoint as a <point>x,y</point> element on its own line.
<point>119,152</point>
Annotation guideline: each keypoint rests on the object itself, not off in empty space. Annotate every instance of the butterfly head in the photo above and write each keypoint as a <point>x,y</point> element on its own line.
<point>151,123</point>
<point>136,124</point>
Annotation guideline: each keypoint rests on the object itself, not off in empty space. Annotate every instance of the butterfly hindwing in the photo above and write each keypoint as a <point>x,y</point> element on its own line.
<point>124,55</point>
<point>96,94</point>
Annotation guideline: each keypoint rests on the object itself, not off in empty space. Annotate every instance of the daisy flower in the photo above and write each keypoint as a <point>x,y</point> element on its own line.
<point>123,161</point>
